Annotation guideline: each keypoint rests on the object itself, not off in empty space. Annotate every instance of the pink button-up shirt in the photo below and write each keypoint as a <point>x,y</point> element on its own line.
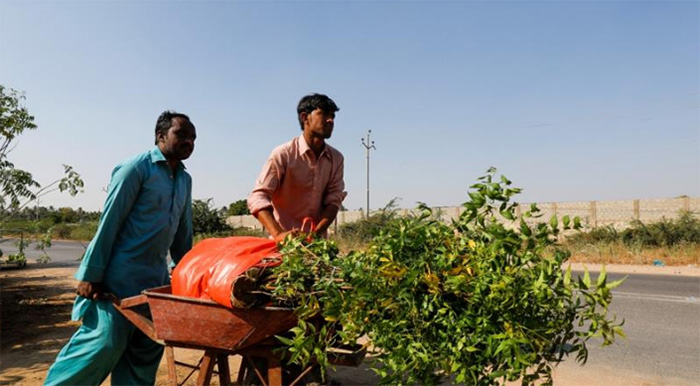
<point>296,184</point>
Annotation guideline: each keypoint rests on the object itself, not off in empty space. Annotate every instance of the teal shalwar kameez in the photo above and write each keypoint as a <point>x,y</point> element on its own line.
<point>148,211</point>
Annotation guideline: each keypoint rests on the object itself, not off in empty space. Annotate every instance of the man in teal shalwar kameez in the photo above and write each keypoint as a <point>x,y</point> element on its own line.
<point>148,212</point>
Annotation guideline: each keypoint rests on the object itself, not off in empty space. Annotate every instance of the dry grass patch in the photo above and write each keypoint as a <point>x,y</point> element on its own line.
<point>620,253</point>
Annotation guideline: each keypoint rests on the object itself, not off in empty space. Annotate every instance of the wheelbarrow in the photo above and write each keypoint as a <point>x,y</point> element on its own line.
<point>218,331</point>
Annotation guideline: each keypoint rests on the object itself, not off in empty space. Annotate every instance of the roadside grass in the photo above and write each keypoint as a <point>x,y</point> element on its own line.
<point>669,241</point>
<point>618,252</point>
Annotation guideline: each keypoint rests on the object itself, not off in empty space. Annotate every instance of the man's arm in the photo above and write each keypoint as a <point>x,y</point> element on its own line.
<point>267,219</point>
<point>333,197</point>
<point>182,242</point>
<point>123,190</point>
<point>260,199</point>
<point>327,218</point>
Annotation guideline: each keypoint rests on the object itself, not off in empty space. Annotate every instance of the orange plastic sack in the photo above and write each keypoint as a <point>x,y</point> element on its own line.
<point>208,270</point>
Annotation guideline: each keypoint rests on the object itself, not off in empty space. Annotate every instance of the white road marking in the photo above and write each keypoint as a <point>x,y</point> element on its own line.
<point>661,298</point>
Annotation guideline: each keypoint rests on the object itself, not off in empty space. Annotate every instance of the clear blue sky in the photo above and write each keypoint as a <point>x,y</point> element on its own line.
<point>572,100</point>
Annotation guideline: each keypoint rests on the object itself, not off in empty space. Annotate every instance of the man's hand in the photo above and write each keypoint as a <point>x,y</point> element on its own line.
<point>283,235</point>
<point>89,290</point>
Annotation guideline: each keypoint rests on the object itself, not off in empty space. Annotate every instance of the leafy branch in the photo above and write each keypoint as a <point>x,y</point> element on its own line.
<point>484,299</point>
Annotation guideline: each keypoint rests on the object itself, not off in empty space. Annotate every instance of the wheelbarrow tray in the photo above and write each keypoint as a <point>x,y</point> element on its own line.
<point>200,323</point>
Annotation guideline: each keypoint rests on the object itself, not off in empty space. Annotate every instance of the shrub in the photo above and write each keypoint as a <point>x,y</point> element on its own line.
<point>84,231</point>
<point>604,234</point>
<point>665,233</point>
<point>474,299</point>
<point>62,231</point>
<point>685,229</point>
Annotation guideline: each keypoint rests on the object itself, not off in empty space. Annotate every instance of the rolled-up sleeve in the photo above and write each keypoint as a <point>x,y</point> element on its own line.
<point>266,185</point>
<point>335,191</point>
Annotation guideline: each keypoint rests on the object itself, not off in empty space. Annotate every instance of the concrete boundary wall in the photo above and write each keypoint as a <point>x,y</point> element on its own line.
<point>618,214</point>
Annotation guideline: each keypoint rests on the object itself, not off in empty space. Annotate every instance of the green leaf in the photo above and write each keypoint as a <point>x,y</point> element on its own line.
<point>577,223</point>
<point>284,340</point>
<point>602,277</point>
<point>525,229</point>
<point>508,214</point>
<point>553,222</point>
<point>620,331</point>
<point>567,276</point>
<point>616,283</point>
<point>476,197</point>
<point>586,277</point>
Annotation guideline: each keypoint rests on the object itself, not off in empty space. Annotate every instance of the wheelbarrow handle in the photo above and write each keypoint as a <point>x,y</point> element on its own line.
<point>125,307</point>
<point>111,297</point>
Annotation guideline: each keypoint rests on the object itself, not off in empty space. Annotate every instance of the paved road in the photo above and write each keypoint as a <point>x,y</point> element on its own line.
<point>64,253</point>
<point>662,323</point>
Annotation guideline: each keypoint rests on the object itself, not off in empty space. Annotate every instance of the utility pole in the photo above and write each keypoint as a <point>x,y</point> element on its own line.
<point>368,146</point>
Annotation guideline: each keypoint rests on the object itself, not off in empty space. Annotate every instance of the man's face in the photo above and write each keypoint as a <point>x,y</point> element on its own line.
<point>319,123</point>
<point>178,142</point>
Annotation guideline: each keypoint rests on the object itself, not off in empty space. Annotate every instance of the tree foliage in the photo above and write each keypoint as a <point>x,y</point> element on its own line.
<point>17,186</point>
<point>206,219</point>
<point>482,299</point>
<point>238,208</point>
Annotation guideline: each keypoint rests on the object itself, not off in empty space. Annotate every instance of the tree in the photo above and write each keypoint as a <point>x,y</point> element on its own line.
<point>238,208</point>
<point>18,187</point>
<point>205,219</point>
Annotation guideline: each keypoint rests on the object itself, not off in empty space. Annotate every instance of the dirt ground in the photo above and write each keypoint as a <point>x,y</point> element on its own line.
<point>34,319</point>
<point>35,323</point>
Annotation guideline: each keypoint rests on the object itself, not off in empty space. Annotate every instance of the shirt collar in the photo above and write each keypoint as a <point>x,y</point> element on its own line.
<point>304,147</point>
<point>157,156</point>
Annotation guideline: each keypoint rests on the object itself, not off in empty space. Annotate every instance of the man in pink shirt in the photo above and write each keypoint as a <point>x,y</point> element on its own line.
<point>303,177</point>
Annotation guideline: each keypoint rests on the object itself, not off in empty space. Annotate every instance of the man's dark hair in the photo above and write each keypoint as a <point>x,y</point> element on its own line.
<point>312,102</point>
<point>165,121</point>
